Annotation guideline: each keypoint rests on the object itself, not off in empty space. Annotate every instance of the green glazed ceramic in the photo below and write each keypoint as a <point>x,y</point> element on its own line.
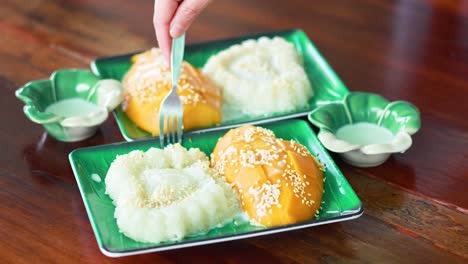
<point>326,84</point>
<point>90,165</point>
<point>79,123</point>
<point>369,111</point>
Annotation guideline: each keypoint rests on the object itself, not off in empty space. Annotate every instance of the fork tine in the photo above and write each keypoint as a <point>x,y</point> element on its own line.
<point>179,128</point>
<point>161,129</point>
<point>174,128</point>
<point>168,129</point>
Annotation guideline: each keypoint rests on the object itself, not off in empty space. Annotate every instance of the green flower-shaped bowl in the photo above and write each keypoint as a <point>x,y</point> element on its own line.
<point>88,103</point>
<point>365,128</point>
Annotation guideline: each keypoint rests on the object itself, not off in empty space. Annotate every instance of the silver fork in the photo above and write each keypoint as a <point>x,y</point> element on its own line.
<point>171,110</point>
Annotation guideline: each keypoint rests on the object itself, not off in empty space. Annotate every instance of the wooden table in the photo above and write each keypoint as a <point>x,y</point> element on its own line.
<point>416,204</point>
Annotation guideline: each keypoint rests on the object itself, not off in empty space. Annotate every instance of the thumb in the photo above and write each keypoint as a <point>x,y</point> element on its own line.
<point>185,15</point>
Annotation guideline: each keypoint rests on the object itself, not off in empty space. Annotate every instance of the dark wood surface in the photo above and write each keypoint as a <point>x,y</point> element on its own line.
<point>416,204</point>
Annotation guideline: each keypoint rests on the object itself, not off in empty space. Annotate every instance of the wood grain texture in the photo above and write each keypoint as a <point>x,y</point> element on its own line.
<point>416,204</point>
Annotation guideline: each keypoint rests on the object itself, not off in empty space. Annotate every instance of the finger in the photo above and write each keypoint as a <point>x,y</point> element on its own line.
<point>164,11</point>
<point>185,15</point>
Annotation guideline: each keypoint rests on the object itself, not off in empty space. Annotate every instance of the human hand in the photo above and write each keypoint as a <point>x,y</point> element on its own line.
<point>172,18</point>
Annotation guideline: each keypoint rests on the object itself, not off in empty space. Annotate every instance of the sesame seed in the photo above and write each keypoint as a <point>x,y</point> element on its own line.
<point>265,196</point>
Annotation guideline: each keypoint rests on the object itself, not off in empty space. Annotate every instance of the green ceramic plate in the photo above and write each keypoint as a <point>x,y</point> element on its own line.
<point>327,86</point>
<point>339,200</point>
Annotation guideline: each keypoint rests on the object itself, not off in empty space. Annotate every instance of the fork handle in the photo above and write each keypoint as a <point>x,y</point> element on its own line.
<point>177,57</point>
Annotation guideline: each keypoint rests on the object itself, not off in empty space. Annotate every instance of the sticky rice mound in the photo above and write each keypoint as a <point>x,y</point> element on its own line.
<point>168,194</point>
<point>261,76</point>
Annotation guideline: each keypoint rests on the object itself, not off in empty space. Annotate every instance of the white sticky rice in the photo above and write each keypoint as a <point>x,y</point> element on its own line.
<point>164,195</point>
<point>261,76</point>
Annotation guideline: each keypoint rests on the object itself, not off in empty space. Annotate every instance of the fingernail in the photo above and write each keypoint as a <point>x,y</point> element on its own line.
<point>175,31</point>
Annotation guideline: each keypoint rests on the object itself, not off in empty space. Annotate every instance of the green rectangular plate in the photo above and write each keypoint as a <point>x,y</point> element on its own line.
<point>327,86</point>
<point>339,201</point>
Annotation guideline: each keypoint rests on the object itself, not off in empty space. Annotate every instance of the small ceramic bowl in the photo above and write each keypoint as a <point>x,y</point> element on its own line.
<point>77,102</point>
<point>365,128</point>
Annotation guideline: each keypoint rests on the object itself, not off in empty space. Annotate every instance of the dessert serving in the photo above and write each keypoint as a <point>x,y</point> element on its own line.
<point>165,195</point>
<point>272,76</point>
<point>149,80</point>
<point>279,181</point>
<point>268,70</point>
<point>168,194</point>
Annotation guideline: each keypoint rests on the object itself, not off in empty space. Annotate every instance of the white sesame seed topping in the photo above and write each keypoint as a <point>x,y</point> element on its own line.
<point>265,196</point>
